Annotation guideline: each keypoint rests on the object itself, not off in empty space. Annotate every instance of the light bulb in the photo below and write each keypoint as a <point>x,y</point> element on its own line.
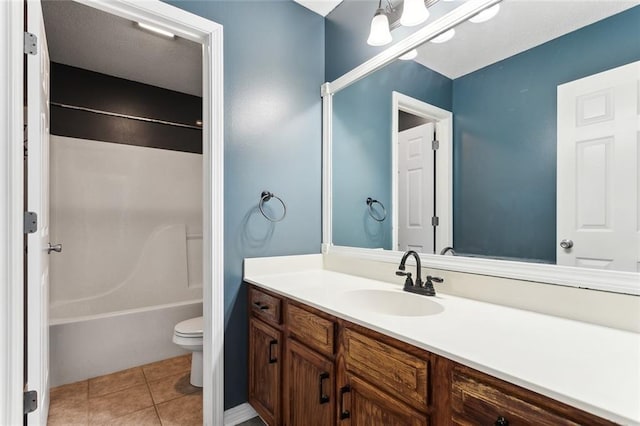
<point>379,35</point>
<point>444,37</point>
<point>412,54</point>
<point>414,12</point>
<point>486,14</point>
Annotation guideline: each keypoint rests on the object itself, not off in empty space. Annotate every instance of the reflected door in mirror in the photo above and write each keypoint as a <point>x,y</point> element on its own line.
<point>416,189</point>
<point>598,182</point>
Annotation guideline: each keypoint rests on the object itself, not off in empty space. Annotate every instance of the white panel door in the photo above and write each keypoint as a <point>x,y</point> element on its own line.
<point>38,201</point>
<point>598,181</point>
<point>416,204</point>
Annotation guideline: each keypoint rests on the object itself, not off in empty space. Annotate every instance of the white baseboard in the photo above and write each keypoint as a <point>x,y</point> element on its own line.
<point>238,414</point>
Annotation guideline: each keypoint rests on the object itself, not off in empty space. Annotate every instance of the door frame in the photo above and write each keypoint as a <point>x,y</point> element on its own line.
<point>444,165</point>
<point>184,24</point>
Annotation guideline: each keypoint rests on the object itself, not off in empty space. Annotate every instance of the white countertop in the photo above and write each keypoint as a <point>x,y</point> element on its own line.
<point>587,366</point>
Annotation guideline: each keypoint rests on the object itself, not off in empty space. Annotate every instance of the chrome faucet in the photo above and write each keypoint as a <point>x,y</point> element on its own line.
<point>418,287</point>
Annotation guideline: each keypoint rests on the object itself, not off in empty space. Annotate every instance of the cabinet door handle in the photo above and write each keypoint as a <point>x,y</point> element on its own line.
<point>272,360</point>
<point>344,414</point>
<point>323,398</point>
<point>501,421</point>
<point>261,306</point>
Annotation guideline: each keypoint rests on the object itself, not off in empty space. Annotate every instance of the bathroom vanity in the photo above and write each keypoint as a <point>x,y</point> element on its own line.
<point>328,348</point>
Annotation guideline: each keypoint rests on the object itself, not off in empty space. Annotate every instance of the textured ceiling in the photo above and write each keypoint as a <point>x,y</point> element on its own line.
<point>85,37</point>
<point>520,25</point>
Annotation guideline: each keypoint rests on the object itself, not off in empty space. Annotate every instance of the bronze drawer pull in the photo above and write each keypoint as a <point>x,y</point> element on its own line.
<point>501,421</point>
<point>272,360</point>
<point>344,414</point>
<point>323,398</point>
<point>261,306</point>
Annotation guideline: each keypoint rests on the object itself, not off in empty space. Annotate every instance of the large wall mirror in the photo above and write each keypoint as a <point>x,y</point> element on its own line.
<point>517,139</point>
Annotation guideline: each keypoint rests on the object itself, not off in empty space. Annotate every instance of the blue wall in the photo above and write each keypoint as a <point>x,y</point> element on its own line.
<point>273,69</point>
<point>362,147</point>
<point>505,138</point>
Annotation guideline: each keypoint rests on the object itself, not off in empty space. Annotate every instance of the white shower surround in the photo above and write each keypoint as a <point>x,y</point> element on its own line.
<point>130,222</point>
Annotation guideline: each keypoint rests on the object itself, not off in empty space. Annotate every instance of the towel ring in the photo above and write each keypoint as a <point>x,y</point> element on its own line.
<point>370,203</point>
<point>266,196</point>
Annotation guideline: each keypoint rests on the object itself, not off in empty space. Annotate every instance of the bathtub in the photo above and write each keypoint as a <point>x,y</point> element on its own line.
<point>90,346</point>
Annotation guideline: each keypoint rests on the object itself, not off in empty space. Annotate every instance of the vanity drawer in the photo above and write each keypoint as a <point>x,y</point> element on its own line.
<point>311,329</point>
<point>392,370</point>
<point>265,306</point>
<point>478,399</point>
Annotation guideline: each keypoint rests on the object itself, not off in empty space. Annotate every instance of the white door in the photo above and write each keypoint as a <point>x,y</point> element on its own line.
<point>598,182</point>
<point>38,202</point>
<point>416,204</point>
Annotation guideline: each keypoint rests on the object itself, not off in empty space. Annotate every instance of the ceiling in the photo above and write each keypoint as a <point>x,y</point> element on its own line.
<point>321,7</point>
<point>84,37</point>
<point>520,25</point>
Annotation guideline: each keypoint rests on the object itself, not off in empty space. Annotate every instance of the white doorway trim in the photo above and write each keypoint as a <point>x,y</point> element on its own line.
<point>11,207</point>
<point>186,25</point>
<point>444,165</point>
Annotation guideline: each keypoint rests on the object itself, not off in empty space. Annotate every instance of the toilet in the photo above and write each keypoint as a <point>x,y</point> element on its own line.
<point>188,335</point>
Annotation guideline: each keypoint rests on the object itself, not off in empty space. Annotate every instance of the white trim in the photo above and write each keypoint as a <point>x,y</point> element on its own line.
<point>238,414</point>
<point>327,169</point>
<point>11,202</point>
<point>450,20</point>
<point>444,166</point>
<point>595,279</point>
<point>186,25</point>
<point>612,281</point>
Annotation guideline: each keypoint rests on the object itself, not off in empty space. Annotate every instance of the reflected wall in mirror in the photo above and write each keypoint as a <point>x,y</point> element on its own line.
<point>544,145</point>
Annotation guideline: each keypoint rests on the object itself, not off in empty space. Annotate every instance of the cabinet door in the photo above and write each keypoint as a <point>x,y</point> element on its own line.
<point>264,370</point>
<point>309,387</point>
<point>362,404</point>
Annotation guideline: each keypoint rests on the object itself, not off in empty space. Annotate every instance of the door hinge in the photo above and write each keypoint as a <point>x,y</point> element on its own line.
<point>30,222</point>
<point>435,144</point>
<point>435,221</point>
<point>30,401</point>
<point>30,44</point>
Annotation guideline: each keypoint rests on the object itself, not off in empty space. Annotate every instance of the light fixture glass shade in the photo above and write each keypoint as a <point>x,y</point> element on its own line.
<point>380,34</point>
<point>414,12</point>
<point>486,14</point>
<point>444,37</point>
<point>412,54</point>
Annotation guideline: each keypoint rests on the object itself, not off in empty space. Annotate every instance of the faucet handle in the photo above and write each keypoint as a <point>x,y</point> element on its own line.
<point>408,282</point>
<point>434,279</point>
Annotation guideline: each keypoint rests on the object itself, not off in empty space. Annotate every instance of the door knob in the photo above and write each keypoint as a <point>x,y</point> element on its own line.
<point>566,244</point>
<point>55,247</point>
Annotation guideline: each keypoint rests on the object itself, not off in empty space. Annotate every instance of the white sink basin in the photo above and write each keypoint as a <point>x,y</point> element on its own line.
<point>391,302</point>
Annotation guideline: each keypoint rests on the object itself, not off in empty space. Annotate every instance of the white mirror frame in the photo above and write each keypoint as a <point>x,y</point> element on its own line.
<point>612,281</point>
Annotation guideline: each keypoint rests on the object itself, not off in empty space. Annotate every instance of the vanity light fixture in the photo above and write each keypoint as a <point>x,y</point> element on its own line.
<point>412,54</point>
<point>414,13</point>
<point>486,14</point>
<point>379,34</point>
<point>444,37</point>
<point>155,30</point>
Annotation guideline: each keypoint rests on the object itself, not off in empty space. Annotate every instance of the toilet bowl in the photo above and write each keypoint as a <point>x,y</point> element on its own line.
<point>188,335</point>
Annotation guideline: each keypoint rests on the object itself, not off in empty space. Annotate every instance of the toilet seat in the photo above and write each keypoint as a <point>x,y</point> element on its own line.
<point>188,335</point>
<point>191,328</point>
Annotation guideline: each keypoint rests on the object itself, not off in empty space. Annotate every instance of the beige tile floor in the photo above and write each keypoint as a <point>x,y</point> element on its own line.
<point>152,394</point>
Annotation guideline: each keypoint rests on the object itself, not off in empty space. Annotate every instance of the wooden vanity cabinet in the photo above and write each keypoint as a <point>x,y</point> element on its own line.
<point>363,404</point>
<point>479,399</point>
<point>309,387</point>
<point>265,359</point>
<point>266,350</point>
<point>308,368</point>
